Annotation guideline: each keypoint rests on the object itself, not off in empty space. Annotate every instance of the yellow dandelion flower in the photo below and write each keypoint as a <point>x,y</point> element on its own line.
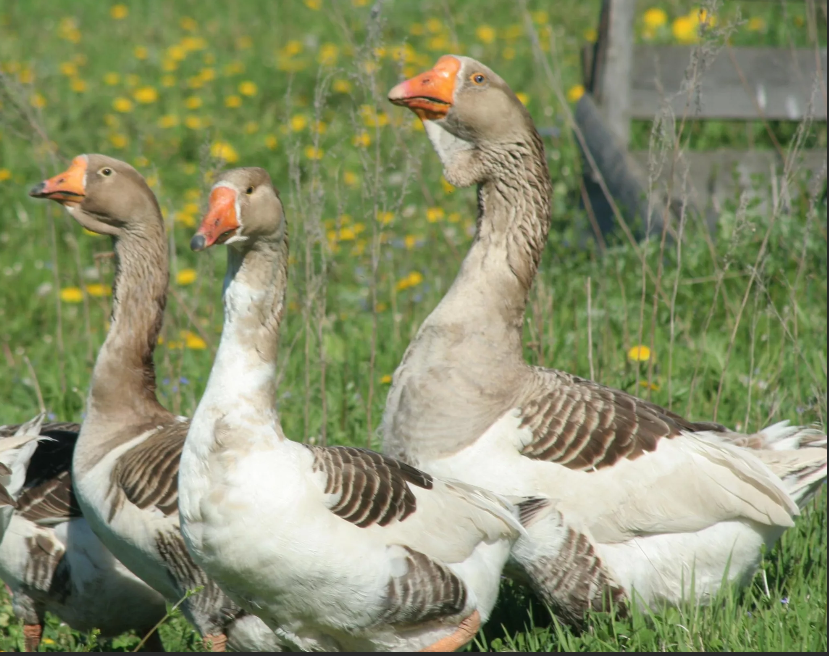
<point>193,102</point>
<point>195,82</point>
<point>328,54</point>
<point>298,122</point>
<point>590,35</point>
<point>233,68</point>
<point>248,88</point>
<point>111,120</point>
<point>187,220</point>
<point>410,241</point>
<point>186,277</point>
<point>119,140</point>
<point>385,380</point>
<point>655,18</point>
<point>26,76</point>
<point>251,127</point>
<point>193,341</point>
<point>341,86</point>
<point>48,641</point>
<point>68,69</point>
<point>313,5</point>
<point>412,280</point>
<point>140,52</point>
<point>434,25</point>
<point>119,12</point>
<point>224,151</point>
<point>385,217</point>
<point>189,24</point>
<point>454,217</point>
<point>194,122</point>
<point>704,18</point>
<point>508,53</point>
<point>233,101</point>
<point>169,65</point>
<point>639,353</point>
<point>168,81</point>
<point>244,43</point>
<point>540,17</point>
<point>684,29</point>
<point>312,152</point>
<point>145,95</point>
<point>71,295</point>
<point>292,48</point>
<point>574,93</point>
<point>5,174</point>
<point>121,104</point>
<point>78,85</point>
<point>141,161</point>
<point>351,179</point>
<point>90,233</point>
<point>168,121</point>
<point>271,142</point>
<point>176,53</point>
<point>434,214</point>
<point>361,140</point>
<point>98,290</point>
<point>193,43</point>
<point>523,97</point>
<point>208,74</point>
<point>756,24</point>
<point>38,101</point>
<point>112,79</point>
<point>647,385</point>
<point>447,186</point>
<point>485,33</point>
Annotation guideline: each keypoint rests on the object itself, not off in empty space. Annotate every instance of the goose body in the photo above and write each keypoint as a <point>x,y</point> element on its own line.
<point>650,505</point>
<point>51,559</point>
<point>125,464</point>
<point>336,548</point>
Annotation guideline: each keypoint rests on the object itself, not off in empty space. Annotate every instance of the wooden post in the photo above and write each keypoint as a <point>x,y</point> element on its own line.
<point>612,86</point>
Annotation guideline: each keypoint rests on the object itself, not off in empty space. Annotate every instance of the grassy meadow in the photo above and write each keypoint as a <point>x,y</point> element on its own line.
<point>730,325</point>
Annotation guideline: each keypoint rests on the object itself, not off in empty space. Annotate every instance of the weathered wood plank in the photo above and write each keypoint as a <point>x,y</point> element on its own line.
<point>720,176</point>
<point>613,73</point>
<point>780,81</point>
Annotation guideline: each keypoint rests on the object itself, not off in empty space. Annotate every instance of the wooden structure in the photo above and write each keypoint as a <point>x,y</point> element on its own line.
<point>626,81</point>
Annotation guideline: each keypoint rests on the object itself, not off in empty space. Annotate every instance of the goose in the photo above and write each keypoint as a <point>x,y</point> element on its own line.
<point>335,548</point>
<point>651,505</point>
<point>50,558</point>
<point>125,462</point>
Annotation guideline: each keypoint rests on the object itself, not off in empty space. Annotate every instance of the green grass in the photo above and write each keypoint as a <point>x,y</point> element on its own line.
<point>750,367</point>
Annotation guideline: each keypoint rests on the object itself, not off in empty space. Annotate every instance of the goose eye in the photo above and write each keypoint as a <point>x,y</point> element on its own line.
<point>106,172</point>
<point>478,78</point>
<point>249,191</point>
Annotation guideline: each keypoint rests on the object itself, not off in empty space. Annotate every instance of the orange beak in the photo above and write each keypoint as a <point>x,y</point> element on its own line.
<point>68,188</point>
<point>220,221</point>
<point>430,94</point>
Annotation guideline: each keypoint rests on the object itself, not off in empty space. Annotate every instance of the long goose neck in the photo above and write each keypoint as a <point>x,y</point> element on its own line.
<point>123,382</point>
<point>254,301</point>
<point>514,203</point>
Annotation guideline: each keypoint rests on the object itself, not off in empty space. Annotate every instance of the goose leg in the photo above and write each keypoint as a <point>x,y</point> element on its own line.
<point>465,632</point>
<point>31,636</point>
<point>216,642</point>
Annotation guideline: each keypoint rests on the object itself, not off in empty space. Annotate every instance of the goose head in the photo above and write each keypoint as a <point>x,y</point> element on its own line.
<point>468,112</point>
<point>245,209</point>
<point>103,194</point>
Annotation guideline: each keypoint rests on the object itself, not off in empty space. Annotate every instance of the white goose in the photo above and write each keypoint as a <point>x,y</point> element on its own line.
<point>649,502</point>
<point>125,463</point>
<point>49,557</point>
<point>335,548</point>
